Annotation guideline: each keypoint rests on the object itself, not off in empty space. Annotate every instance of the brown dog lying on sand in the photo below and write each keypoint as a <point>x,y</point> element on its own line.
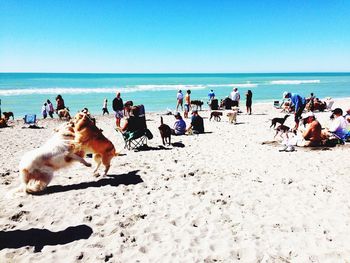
<point>216,115</point>
<point>37,167</point>
<point>91,140</point>
<point>7,115</point>
<point>165,132</point>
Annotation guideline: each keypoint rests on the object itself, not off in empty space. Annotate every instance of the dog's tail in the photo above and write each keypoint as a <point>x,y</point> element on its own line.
<point>161,120</point>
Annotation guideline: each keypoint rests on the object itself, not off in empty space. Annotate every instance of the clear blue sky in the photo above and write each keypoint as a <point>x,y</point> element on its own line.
<point>174,36</point>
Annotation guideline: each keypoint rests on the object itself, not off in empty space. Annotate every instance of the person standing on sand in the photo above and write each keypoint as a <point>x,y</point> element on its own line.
<point>299,105</point>
<point>179,98</point>
<point>211,96</point>
<point>187,103</point>
<point>104,107</point>
<point>43,110</point>
<point>235,97</point>
<point>118,109</point>
<point>248,103</point>
<point>50,108</point>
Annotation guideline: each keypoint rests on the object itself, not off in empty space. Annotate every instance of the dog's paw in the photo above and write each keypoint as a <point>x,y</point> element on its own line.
<point>96,174</point>
<point>88,164</point>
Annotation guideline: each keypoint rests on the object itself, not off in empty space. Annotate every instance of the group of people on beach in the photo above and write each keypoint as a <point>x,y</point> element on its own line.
<point>48,109</point>
<point>231,101</point>
<point>314,134</point>
<point>131,112</point>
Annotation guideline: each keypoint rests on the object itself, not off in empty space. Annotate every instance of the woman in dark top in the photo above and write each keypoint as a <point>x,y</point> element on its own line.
<point>60,103</point>
<point>249,96</point>
<point>132,124</point>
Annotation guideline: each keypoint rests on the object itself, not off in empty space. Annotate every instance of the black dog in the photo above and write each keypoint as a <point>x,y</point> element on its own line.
<point>278,120</point>
<point>216,115</point>
<point>197,103</point>
<point>165,132</point>
<point>7,115</point>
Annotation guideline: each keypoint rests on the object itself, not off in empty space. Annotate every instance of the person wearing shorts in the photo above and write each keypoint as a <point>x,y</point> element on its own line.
<point>187,103</point>
<point>298,103</point>
<point>118,109</point>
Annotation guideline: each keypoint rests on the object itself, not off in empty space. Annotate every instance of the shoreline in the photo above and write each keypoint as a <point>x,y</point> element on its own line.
<point>242,108</point>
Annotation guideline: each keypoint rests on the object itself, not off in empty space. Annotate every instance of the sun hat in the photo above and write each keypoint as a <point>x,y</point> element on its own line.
<point>177,114</point>
<point>285,94</point>
<point>308,114</point>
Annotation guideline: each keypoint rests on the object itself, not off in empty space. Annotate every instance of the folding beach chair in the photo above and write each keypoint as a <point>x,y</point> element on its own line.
<point>31,120</point>
<point>139,137</point>
<point>277,104</point>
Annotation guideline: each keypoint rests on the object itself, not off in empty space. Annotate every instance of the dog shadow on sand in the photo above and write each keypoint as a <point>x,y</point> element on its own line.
<point>130,178</point>
<point>43,237</point>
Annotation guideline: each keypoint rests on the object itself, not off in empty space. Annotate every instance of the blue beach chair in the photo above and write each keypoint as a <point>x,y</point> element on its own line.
<point>31,120</point>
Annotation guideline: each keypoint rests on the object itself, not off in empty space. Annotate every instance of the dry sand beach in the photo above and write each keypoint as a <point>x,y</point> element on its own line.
<point>221,196</point>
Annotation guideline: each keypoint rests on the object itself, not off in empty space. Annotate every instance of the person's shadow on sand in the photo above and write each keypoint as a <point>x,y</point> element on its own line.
<point>42,237</point>
<point>112,179</point>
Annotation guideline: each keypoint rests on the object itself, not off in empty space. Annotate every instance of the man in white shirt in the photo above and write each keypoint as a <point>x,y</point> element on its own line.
<point>339,124</point>
<point>235,97</point>
<point>180,99</point>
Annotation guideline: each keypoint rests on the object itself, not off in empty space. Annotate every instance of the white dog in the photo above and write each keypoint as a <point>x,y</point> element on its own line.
<point>232,115</point>
<point>37,166</point>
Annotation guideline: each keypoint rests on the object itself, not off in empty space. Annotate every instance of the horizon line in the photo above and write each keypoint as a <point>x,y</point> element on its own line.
<point>176,73</point>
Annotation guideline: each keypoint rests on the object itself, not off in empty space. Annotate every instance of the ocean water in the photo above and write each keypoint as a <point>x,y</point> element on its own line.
<point>26,92</point>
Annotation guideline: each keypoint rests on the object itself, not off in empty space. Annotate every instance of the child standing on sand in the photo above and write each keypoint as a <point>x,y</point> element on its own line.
<point>43,110</point>
<point>104,107</point>
<point>50,108</point>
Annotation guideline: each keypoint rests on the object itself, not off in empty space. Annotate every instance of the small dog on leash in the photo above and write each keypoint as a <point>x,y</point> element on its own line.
<point>165,132</point>
<point>281,121</point>
<point>7,115</point>
<point>216,115</point>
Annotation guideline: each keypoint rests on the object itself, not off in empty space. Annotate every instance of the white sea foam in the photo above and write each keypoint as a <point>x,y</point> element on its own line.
<point>294,82</point>
<point>242,85</point>
<point>128,89</point>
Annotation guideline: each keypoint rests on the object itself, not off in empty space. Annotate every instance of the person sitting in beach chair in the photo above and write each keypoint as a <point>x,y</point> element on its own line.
<point>134,130</point>
<point>338,128</point>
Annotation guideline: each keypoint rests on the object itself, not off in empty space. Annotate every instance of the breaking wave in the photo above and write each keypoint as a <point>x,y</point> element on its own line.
<point>294,82</point>
<point>112,90</point>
